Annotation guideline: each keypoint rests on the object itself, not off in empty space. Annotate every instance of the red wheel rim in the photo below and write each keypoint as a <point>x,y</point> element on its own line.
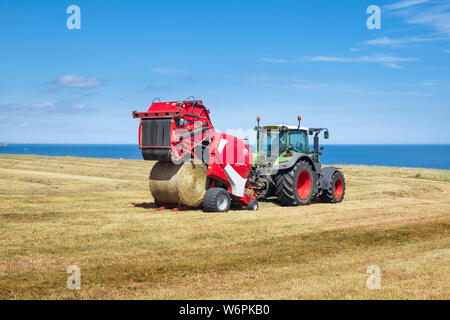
<point>338,187</point>
<point>303,185</point>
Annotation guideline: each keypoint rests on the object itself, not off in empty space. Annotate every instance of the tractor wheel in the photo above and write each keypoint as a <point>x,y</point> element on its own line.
<point>216,200</point>
<point>337,191</point>
<point>295,187</point>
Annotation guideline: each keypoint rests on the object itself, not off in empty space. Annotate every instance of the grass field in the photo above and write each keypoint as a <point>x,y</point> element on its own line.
<point>98,214</point>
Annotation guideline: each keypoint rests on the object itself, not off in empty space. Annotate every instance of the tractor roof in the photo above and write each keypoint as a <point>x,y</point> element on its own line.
<point>289,127</point>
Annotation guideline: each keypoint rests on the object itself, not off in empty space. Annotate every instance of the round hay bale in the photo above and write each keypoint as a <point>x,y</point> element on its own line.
<point>178,184</point>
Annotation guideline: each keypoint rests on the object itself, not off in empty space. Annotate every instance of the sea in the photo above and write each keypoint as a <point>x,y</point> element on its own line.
<point>417,156</point>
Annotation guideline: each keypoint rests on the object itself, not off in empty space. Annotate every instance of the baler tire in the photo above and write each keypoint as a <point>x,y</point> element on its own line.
<point>253,205</point>
<point>286,185</point>
<point>157,204</point>
<point>338,189</point>
<point>212,196</point>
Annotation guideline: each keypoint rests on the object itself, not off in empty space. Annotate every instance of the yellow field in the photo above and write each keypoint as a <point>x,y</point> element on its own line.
<point>98,214</point>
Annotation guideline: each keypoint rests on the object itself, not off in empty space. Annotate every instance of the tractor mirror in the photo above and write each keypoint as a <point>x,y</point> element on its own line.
<point>326,135</point>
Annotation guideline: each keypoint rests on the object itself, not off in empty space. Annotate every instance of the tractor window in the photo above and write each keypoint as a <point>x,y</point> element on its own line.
<point>283,141</point>
<point>298,141</point>
<point>271,141</point>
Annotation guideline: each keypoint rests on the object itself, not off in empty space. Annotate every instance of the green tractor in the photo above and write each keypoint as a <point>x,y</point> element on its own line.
<point>285,167</point>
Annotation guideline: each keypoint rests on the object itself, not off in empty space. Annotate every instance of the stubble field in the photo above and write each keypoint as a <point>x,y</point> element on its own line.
<point>98,214</point>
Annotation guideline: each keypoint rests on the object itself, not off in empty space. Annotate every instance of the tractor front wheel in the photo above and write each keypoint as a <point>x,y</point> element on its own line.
<point>337,189</point>
<point>295,186</point>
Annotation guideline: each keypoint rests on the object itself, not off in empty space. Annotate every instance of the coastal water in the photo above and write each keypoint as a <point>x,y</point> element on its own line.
<point>422,156</point>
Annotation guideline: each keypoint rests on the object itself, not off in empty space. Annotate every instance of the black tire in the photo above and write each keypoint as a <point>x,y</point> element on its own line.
<point>253,205</point>
<point>337,192</point>
<point>292,185</point>
<point>157,204</point>
<point>216,200</point>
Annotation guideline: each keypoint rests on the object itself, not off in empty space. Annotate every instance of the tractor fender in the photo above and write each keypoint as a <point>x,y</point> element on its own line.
<point>296,158</point>
<point>325,177</point>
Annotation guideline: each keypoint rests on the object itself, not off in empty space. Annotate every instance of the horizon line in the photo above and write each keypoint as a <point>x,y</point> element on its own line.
<point>135,144</point>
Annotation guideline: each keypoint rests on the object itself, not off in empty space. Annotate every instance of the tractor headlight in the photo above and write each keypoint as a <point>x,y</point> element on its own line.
<point>182,122</point>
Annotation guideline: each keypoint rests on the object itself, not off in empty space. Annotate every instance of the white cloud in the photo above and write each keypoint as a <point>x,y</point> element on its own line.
<point>72,81</point>
<point>168,71</point>
<point>79,106</point>
<point>434,14</point>
<point>393,65</point>
<point>389,61</point>
<point>428,83</point>
<point>297,83</point>
<point>274,60</point>
<point>383,41</point>
<point>331,87</point>
<point>404,4</point>
<point>330,59</point>
<point>28,108</point>
<point>395,42</point>
<point>67,106</point>
<point>43,105</point>
<point>437,20</point>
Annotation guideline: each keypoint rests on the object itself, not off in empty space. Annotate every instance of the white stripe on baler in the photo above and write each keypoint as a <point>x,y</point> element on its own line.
<point>236,181</point>
<point>222,144</point>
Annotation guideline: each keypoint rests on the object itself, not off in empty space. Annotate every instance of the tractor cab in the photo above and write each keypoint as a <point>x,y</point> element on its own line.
<point>282,139</point>
<point>279,143</point>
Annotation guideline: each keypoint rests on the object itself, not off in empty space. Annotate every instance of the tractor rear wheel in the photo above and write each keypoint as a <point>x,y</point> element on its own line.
<point>337,192</point>
<point>295,186</point>
<point>216,200</point>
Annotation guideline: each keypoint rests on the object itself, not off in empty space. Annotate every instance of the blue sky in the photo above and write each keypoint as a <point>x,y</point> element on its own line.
<point>275,59</point>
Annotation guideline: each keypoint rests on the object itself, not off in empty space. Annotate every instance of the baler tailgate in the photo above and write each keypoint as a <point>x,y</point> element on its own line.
<point>156,132</point>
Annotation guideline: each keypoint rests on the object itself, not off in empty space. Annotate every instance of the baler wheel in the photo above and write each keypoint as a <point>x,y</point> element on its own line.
<point>253,205</point>
<point>216,200</point>
<point>337,192</point>
<point>295,186</point>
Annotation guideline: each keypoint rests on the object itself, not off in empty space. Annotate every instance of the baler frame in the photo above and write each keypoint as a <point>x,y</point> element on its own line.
<point>192,138</point>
